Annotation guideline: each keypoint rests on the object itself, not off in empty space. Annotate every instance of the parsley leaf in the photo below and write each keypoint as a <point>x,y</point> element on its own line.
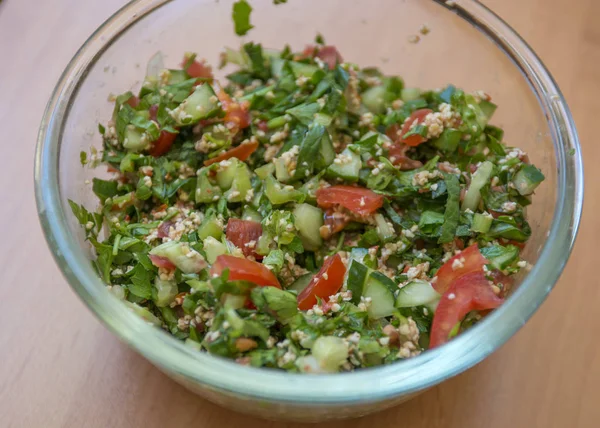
<point>140,282</point>
<point>241,17</point>
<point>104,188</point>
<point>452,213</point>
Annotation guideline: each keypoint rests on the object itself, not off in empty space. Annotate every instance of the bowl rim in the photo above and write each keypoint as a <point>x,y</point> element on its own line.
<point>365,385</point>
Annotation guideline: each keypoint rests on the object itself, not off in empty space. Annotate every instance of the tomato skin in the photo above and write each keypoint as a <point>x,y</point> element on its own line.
<point>244,270</point>
<point>240,232</point>
<point>198,69</point>
<point>357,199</point>
<point>326,283</point>
<point>242,152</point>
<point>328,54</point>
<point>419,116</point>
<point>161,262</point>
<point>133,101</point>
<point>473,262</point>
<point>470,292</point>
<point>165,139</point>
<point>163,144</point>
<point>236,114</point>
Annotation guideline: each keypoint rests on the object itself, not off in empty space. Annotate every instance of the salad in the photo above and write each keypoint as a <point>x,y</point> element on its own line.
<point>306,214</point>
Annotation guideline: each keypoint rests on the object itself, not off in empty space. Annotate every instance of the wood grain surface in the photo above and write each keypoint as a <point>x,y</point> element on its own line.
<point>59,367</point>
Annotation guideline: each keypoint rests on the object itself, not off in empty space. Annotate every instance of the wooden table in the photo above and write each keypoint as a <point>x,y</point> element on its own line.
<point>60,368</point>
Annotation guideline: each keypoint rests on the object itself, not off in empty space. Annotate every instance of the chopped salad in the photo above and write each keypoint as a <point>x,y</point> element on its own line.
<point>306,214</point>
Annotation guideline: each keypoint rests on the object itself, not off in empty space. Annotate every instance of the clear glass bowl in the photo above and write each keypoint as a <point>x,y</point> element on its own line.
<point>468,46</point>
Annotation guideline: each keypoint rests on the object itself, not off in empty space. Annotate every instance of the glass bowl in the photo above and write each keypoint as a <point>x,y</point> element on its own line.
<point>467,45</point>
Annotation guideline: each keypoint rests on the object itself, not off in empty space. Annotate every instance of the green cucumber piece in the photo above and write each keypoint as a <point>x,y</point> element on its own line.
<point>251,214</point>
<point>527,179</point>
<point>410,94</point>
<point>278,194</point>
<point>241,184</point>
<point>178,253</point>
<point>374,99</point>
<point>479,179</point>
<point>177,76</point>
<point>488,108</point>
<point>385,231</point>
<point>327,152</point>
<point>417,293</point>
<point>211,226</point>
<point>226,173</point>
<point>135,140</point>
<point>301,69</point>
<point>380,289</point>
<point>165,291</point>
<point>264,171</point>
<point>206,192</point>
<point>201,104</point>
<point>348,170</point>
<point>144,313</point>
<point>213,249</point>
<point>330,352</point>
<point>308,220</point>
<point>301,283</point>
<point>356,279</point>
<point>481,223</point>
<point>281,170</point>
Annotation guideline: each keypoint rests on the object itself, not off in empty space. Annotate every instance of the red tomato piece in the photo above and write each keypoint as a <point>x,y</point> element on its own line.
<point>330,56</point>
<point>419,117</point>
<point>242,152</point>
<point>467,261</point>
<point>335,222</point>
<point>240,232</point>
<point>470,292</point>
<point>163,229</point>
<point>198,69</point>
<point>161,262</point>
<point>244,270</point>
<point>133,101</point>
<point>165,139</point>
<point>163,144</point>
<point>326,283</point>
<point>357,199</point>
<point>262,125</point>
<point>236,113</point>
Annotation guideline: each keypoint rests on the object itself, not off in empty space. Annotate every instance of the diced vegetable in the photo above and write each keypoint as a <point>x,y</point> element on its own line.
<point>330,352</point>
<point>244,270</point>
<point>279,194</point>
<point>357,199</point>
<point>481,223</point>
<point>479,179</point>
<point>467,261</point>
<point>165,291</point>
<point>181,255</point>
<point>308,220</point>
<point>527,179</point>
<point>326,283</point>
<point>213,249</point>
<point>468,293</point>
<point>379,289</point>
<point>417,293</point>
<point>348,167</point>
<point>201,104</point>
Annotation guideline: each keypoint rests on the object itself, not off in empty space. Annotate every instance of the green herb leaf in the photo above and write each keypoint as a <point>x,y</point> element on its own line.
<point>452,212</point>
<point>104,188</point>
<point>241,17</point>
<point>140,282</point>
